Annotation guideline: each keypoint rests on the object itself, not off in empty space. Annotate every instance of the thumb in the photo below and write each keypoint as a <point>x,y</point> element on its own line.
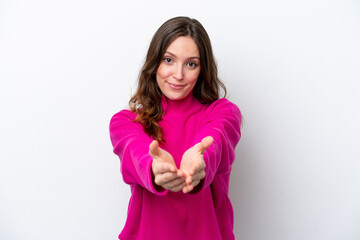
<point>205,143</point>
<point>154,149</point>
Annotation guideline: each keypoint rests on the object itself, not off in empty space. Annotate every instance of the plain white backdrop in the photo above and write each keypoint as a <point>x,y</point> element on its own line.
<point>291,66</point>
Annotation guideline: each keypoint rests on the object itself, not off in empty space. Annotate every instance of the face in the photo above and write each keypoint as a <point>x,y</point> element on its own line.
<point>179,68</point>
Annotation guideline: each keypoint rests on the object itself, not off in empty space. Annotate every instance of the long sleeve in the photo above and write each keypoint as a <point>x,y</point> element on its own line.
<point>223,124</point>
<point>131,144</point>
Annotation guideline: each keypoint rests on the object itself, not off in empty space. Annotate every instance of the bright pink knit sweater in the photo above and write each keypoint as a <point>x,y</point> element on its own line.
<point>204,214</point>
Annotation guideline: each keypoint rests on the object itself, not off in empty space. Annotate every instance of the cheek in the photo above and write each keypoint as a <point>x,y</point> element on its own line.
<point>162,72</point>
<point>193,77</point>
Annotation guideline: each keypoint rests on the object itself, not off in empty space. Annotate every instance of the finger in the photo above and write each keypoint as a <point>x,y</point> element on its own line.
<point>161,179</point>
<point>178,187</point>
<point>168,178</point>
<point>187,188</point>
<point>195,183</point>
<point>205,143</point>
<point>188,180</point>
<point>195,176</point>
<point>163,167</point>
<point>154,149</point>
<point>181,173</point>
<point>198,176</point>
<point>174,183</point>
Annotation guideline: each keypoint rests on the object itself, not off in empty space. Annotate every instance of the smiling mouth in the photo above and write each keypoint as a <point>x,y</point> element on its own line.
<point>176,86</point>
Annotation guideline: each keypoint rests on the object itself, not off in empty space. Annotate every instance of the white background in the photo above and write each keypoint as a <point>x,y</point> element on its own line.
<point>291,66</point>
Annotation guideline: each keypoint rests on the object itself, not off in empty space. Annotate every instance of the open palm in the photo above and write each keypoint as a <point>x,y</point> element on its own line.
<point>193,164</point>
<point>164,170</point>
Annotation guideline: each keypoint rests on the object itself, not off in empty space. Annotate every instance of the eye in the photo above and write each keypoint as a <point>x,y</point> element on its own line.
<point>192,64</point>
<point>167,60</point>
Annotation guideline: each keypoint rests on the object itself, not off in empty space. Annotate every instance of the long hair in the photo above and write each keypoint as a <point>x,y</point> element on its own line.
<point>146,102</point>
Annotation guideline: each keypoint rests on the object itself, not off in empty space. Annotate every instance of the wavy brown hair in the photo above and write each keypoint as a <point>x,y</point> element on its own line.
<point>146,102</point>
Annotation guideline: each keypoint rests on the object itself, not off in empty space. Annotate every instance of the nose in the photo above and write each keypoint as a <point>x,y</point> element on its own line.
<point>179,72</point>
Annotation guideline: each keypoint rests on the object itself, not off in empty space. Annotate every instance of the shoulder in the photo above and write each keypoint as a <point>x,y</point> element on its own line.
<point>123,117</point>
<point>125,113</point>
<point>223,106</point>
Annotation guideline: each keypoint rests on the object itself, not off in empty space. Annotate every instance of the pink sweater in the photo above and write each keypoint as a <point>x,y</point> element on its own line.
<point>206,213</point>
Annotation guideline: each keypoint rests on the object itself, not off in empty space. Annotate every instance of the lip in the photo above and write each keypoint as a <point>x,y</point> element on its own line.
<point>176,86</point>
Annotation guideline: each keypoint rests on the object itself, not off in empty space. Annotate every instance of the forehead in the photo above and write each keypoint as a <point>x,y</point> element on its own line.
<point>184,46</point>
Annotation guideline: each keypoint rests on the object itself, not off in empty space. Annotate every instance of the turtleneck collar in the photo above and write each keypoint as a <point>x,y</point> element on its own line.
<point>179,106</point>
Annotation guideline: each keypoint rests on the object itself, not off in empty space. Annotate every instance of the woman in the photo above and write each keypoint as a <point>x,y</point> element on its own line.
<point>177,142</point>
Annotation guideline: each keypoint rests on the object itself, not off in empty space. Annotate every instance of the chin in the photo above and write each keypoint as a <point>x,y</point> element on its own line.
<point>176,96</point>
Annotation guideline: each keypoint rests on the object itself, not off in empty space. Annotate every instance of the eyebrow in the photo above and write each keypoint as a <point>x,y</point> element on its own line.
<point>194,57</point>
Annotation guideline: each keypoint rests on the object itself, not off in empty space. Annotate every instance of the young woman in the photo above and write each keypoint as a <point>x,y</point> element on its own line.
<point>177,142</point>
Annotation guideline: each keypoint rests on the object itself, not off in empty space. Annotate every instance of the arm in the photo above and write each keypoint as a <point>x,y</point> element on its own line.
<point>131,144</point>
<point>222,123</point>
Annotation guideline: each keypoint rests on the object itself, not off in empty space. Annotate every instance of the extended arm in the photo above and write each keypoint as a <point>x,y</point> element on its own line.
<point>223,125</point>
<point>131,144</point>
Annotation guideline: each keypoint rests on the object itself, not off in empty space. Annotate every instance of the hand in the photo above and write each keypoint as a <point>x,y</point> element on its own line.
<point>193,164</point>
<point>164,170</point>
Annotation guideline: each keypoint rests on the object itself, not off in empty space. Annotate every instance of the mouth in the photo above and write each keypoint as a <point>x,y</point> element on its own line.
<point>176,86</point>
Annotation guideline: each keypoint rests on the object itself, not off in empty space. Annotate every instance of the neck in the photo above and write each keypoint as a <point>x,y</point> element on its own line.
<point>179,106</point>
